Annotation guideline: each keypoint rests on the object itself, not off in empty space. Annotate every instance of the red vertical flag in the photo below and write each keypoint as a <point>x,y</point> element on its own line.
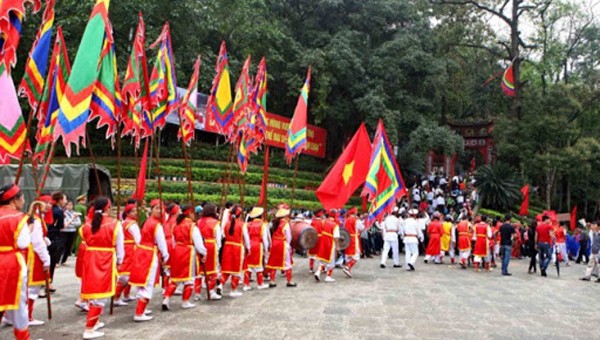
<point>525,205</point>
<point>574,218</point>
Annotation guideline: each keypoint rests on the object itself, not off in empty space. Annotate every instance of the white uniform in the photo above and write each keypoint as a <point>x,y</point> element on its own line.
<point>411,235</point>
<point>390,229</point>
<point>40,248</point>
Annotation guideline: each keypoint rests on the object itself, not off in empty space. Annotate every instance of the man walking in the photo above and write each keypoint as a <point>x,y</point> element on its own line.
<point>594,265</point>
<point>543,238</point>
<point>411,235</point>
<point>507,233</point>
<point>391,226</point>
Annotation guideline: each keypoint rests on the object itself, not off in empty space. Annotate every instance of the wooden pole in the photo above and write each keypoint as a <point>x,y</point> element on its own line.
<point>87,137</point>
<point>294,183</point>
<point>265,180</point>
<point>47,167</point>
<point>188,166</point>
<point>24,147</point>
<point>156,139</point>
<point>119,171</point>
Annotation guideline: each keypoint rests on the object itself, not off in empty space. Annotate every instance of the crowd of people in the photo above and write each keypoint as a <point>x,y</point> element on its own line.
<point>186,249</point>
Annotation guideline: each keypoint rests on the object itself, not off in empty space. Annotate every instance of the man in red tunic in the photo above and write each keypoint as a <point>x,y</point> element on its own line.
<point>435,231</point>
<point>210,229</point>
<point>144,273</point>
<point>280,254</point>
<point>259,243</point>
<point>317,223</point>
<point>173,210</point>
<point>482,236</point>
<point>104,239</point>
<point>354,228</point>
<point>188,243</point>
<point>329,245</point>
<point>38,258</point>
<point>131,232</point>
<point>14,241</point>
<point>464,230</point>
<point>237,244</point>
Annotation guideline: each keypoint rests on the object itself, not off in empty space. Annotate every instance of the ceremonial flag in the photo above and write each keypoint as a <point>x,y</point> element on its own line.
<point>75,103</point>
<point>219,101</point>
<point>12,13</point>
<point>507,82</point>
<point>140,188</point>
<point>258,117</point>
<point>134,93</point>
<point>243,154</point>
<point>384,185</point>
<point>573,220</point>
<point>60,69</point>
<point>32,85</point>
<point>13,131</point>
<point>241,104</point>
<point>163,83</point>
<point>348,173</point>
<point>187,111</point>
<point>106,97</point>
<point>525,204</point>
<point>296,134</point>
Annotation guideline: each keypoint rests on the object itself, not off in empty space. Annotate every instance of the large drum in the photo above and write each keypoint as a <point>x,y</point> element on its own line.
<point>344,238</point>
<point>304,237</point>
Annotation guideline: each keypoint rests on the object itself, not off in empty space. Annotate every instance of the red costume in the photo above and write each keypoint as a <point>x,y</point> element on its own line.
<point>233,249</point>
<point>256,231</point>
<point>210,230</point>
<point>482,248</point>
<point>464,239</point>
<point>317,224</point>
<point>435,231</point>
<point>145,254</point>
<point>353,248</point>
<point>183,256</point>
<point>80,256</point>
<point>129,246</point>
<point>326,252</point>
<point>280,247</point>
<point>35,266</point>
<point>12,262</point>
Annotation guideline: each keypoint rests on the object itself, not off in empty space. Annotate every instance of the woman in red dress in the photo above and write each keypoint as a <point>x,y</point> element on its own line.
<point>210,229</point>
<point>317,223</point>
<point>173,210</point>
<point>482,236</point>
<point>435,231</point>
<point>131,233</point>
<point>104,239</point>
<point>237,243</point>
<point>280,255</point>
<point>259,244</point>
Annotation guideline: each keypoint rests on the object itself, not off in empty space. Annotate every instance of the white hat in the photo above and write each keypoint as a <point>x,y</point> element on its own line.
<point>256,212</point>
<point>395,209</point>
<point>413,212</point>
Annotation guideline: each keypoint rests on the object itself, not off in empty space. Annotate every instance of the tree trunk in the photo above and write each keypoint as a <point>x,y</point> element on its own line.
<point>514,51</point>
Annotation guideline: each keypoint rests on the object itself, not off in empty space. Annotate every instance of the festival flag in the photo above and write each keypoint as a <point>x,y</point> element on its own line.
<point>187,111</point>
<point>75,103</point>
<point>219,102</point>
<point>573,219</point>
<point>135,103</point>
<point>384,185</point>
<point>140,188</point>
<point>241,104</point>
<point>508,83</point>
<point>348,173</point>
<point>243,154</point>
<point>163,83</point>
<point>296,133</point>
<point>258,116</point>
<point>106,98</point>
<point>13,131</point>
<point>525,204</point>
<point>32,85</point>
<point>60,69</point>
<point>12,13</point>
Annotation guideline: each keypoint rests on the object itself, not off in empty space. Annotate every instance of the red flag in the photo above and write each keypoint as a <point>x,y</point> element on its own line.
<point>140,189</point>
<point>348,173</point>
<point>473,164</point>
<point>525,205</point>
<point>574,218</point>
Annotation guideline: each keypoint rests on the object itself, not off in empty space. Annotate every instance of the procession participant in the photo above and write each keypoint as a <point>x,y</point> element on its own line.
<point>173,210</point>
<point>104,239</point>
<point>14,241</point>
<point>354,227</point>
<point>464,230</point>
<point>210,229</point>
<point>329,244</point>
<point>482,236</point>
<point>183,259</point>
<point>317,224</point>
<point>495,241</point>
<point>280,254</point>
<point>79,265</point>
<point>38,259</point>
<point>447,244</point>
<point>237,243</point>
<point>411,235</point>
<point>422,221</point>
<point>391,226</point>
<point>132,236</point>
<point>144,274</point>
<point>544,235</point>
<point>434,230</point>
<point>561,242</point>
<point>259,244</point>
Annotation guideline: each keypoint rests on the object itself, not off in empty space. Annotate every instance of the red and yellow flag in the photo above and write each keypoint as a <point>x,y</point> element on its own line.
<point>188,109</point>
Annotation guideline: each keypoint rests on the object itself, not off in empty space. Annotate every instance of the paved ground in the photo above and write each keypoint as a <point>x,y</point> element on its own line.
<point>435,302</point>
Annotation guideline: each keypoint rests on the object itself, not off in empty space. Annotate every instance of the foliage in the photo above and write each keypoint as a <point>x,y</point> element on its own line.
<point>498,186</point>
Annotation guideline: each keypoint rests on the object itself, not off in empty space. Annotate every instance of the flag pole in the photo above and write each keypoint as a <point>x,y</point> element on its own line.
<point>188,166</point>
<point>119,170</point>
<point>87,137</point>
<point>294,182</point>
<point>24,147</point>
<point>49,159</point>
<point>265,179</point>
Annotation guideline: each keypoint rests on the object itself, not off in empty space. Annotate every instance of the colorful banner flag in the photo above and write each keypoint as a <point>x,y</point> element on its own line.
<point>12,13</point>
<point>60,69</point>
<point>75,103</point>
<point>348,173</point>
<point>241,104</point>
<point>13,131</point>
<point>32,85</point>
<point>384,185</point>
<point>106,103</point>
<point>296,135</point>
<point>508,82</point>
<point>187,111</point>
<point>243,154</point>
<point>163,83</point>
<point>524,210</point>
<point>134,93</point>
<point>258,116</point>
<point>219,101</point>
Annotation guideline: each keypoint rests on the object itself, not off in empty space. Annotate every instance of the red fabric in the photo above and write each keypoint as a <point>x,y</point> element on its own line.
<point>288,275</point>
<point>80,255</point>
<point>516,248</point>
<point>182,256</point>
<point>11,224</point>
<point>573,219</point>
<point>464,239</point>
<point>543,230</point>
<point>98,278</point>
<point>129,247</point>
<point>30,303</point>
<point>434,230</point>
<point>326,241</point>
<point>187,292</point>
<point>170,290</point>
<point>279,247</point>
<point>119,289</point>
<point>168,230</point>
<point>348,173</point>
<point>317,224</point>
<point>481,242</point>
<point>525,204</point>
<point>561,235</point>
<point>145,254</point>
<point>21,334</point>
<point>93,316</point>
<point>255,232</point>
<point>350,226</point>
<point>260,278</point>
<point>141,306</point>
<point>140,188</point>
<point>208,228</point>
<point>233,249</point>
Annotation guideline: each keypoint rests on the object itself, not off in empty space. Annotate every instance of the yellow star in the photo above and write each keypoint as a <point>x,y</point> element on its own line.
<point>347,174</point>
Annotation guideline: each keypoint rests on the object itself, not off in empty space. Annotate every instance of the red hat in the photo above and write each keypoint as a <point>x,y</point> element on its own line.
<point>155,202</point>
<point>188,211</point>
<point>45,199</point>
<point>334,213</point>
<point>9,193</point>
<point>128,208</point>
<point>352,211</point>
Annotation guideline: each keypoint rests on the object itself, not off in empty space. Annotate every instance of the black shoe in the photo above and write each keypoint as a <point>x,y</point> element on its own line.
<point>585,279</point>
<point>397,266</point>
<point>425,261</point>
<point>544,273</point>
<point>382,265</point>
<point>412,268</point>
<point>598,281</point>
<point>272,284</point>
<point>506,274</point>
<point>291,284</point>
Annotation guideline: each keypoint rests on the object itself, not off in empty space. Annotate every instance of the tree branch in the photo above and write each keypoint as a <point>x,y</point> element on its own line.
<point>482,47</point>
<point>490,10</point>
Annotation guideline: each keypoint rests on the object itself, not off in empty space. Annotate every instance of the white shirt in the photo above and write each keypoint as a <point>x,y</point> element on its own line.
<point>134,231</point>
<point>120,244</point>
<point>198,241</point>
<point>161,242</point>
<point>440,200</point>
<point>38,242</point>
<point>430,196</point>
<point>411,231</point>
<point>391,226</point>
<point>423,222</point>
<point>443,181</point>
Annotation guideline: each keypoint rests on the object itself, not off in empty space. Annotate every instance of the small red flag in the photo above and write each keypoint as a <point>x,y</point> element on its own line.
<point>525,205</point>
<point>140,189</point>
<point>574,218</point>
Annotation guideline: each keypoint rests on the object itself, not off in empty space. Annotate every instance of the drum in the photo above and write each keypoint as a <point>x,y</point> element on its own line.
<point>304,237</point>
<point>344,238</point>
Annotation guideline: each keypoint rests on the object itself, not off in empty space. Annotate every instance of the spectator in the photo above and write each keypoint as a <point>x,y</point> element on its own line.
<point>364,238</point>
<point>56,248</point>
<point>460,201</point>
<point>68,233</point>
<point>593,266</point>
<point>583,246</point>
<point>507,233</point>
<point>544,235</point>
<point>531,247</point>
<point>443,183</point>
<point>441,204</point>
